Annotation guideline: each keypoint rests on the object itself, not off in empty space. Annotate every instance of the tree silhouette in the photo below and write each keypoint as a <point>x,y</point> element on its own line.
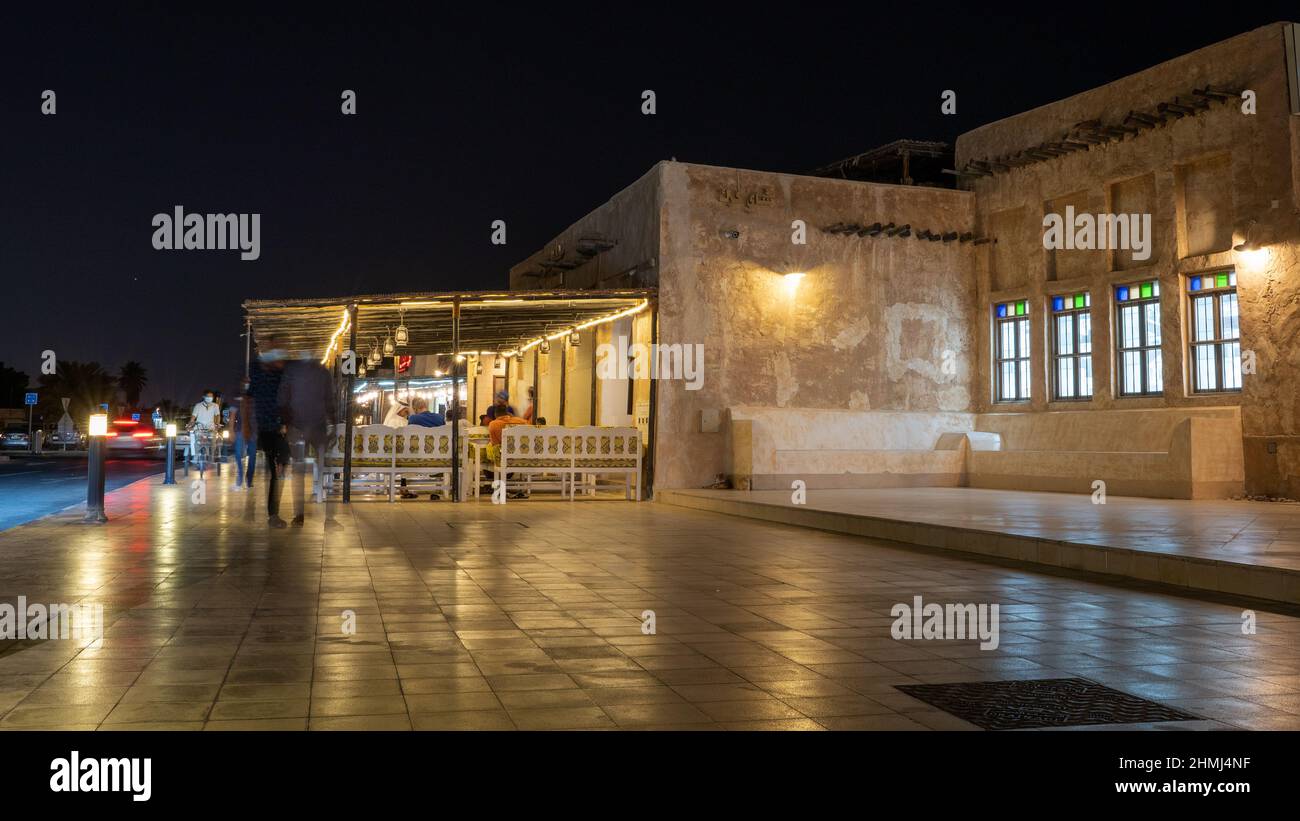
<point>13,385</point>
<point>132,378</point>
<point>87,384</point>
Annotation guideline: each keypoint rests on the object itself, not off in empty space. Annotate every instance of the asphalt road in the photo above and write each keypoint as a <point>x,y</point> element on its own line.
<point>34,487</point>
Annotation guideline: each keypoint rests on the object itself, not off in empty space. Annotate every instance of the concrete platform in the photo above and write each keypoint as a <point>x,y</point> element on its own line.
<point>1238,548</point>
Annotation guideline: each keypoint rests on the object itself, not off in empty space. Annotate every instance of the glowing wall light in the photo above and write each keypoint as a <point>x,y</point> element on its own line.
<point>792,281</point>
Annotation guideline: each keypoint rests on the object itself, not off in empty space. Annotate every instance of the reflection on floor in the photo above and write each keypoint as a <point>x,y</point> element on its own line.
<point>1237,547</point>
<point>531,616</point>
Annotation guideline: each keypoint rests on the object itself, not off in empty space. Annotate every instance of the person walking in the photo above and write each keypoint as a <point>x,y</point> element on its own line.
<point>307,411</point>
<point>265,376</point>
<point>243,431</point>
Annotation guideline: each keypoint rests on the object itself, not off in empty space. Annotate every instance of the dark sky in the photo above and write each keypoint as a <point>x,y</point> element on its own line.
<point>463,118</point>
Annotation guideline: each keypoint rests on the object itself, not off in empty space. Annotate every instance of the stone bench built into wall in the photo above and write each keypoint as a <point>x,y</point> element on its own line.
<point>1175,453</point>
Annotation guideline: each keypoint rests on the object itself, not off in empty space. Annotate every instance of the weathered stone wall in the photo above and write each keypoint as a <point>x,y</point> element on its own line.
<point>1199,176</point>
<point>866,329</point>
<point>630,220</point>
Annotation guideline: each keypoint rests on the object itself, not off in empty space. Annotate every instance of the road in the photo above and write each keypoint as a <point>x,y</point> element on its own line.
<point>32,487</point>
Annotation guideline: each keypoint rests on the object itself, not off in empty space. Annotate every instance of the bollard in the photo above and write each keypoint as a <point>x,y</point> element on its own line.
<point>95,482</point>
<point>169,478</point>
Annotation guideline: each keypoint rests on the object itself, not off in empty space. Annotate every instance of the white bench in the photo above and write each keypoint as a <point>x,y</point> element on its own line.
<point>422,456</point>
<point>530,450</point>
<point>576,456</point>
<point>381,455</point>
<point>600,452</point>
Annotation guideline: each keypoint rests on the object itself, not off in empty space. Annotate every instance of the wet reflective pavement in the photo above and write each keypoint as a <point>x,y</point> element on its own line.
<point>530,616</point>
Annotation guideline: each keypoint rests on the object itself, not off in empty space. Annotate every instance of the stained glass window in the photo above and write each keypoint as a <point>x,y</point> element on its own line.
<point>1138,355</point>
<point>1072,347</point>
<point>1214,332</point>
<point>1011,337</point>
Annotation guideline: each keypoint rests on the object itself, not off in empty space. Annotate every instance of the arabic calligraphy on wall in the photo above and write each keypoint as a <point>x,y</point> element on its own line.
<point>727,195</point>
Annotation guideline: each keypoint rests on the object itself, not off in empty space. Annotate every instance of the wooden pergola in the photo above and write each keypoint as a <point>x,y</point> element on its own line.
<point>455,324</point>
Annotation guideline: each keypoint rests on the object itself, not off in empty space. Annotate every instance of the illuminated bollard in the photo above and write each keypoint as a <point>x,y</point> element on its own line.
<point>169,478</point>
<point>95,470</point>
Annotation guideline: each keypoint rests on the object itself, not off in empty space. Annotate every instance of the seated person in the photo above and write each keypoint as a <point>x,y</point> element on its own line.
<point>422,416</point>
<point>397,415</point>
<point>495,430</point>
<point>500,407</point>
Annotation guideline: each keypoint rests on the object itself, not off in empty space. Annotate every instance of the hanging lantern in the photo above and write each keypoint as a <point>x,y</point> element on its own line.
<point>545,347</point>
<point>375,357</point>
<point>389,347</point>
<point>402,336</point>
<point>575,339</point>
<point>361,369</point>
<point>478,368</point>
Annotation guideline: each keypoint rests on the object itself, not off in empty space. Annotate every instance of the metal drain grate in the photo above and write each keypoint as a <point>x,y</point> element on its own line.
<point>1052,702</point>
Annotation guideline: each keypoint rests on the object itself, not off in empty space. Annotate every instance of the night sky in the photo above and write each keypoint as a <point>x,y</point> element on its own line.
<point>533,118</point>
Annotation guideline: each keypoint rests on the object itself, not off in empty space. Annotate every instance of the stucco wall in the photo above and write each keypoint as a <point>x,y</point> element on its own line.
<point>1200,176</point>
<point>867,328</point>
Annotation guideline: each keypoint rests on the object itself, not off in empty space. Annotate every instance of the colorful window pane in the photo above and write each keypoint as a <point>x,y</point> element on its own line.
<point>1011,372</point>
<point>1214,333</point>
<point>1072,348</point>
<point>1138,353</point>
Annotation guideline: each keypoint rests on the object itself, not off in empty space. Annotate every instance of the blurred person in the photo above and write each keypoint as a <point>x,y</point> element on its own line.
<point>265,376</point>
<point>500,406</point>
<point>532,402</point>
<point>307,416</point>
<point>243,434</point>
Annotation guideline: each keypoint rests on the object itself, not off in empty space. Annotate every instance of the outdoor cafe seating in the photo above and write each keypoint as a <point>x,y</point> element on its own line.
<point>455,354</point>
<point>573,460</point>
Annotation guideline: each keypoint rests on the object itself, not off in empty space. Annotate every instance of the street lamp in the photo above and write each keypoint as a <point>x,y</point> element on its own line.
<point>170,477</point>
<point>98,428</point>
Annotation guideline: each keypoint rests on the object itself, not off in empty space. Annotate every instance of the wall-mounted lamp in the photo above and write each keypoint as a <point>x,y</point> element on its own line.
<point>1243,237</point>
<point>792,281</point>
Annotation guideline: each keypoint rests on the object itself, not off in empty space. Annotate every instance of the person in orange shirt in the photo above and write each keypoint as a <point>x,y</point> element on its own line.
<point>495,428</point>
<point>502,422</point>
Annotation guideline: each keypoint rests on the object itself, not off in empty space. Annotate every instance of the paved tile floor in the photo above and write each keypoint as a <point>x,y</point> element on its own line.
<point>1255,533</point>
<point>528,616</point>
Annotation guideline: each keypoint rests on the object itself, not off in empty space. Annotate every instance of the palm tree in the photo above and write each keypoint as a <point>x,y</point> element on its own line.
<point>132,378</point>
<point>85,383</point>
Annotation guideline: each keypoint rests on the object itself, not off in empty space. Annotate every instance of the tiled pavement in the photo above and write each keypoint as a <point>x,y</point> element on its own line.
<point>1233,546</point>
<point>529,616</point>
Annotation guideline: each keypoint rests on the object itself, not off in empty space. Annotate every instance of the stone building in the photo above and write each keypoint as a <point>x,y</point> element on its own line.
<point>922,335</point>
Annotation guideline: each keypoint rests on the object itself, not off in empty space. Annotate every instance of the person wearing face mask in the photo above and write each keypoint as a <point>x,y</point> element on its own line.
<point>206,416</point>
